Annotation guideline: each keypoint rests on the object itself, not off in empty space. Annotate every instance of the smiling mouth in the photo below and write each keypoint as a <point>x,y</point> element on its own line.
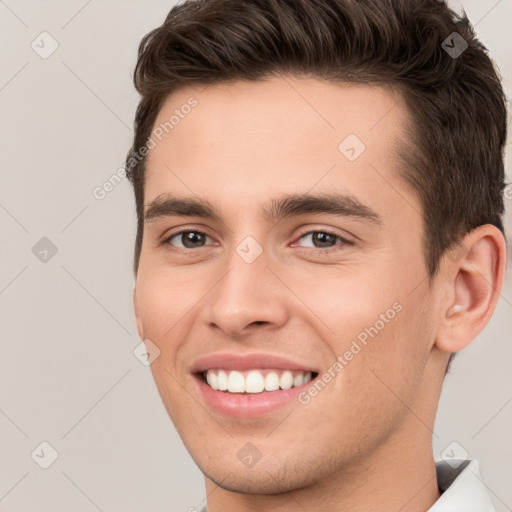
<point>254,381</point>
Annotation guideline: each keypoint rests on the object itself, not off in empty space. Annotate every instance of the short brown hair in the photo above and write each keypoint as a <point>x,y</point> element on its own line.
<point>454,159</point>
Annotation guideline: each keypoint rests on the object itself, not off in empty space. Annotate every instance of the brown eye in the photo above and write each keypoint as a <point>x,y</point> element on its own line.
<point>322,239</point>
<point>188,239</point>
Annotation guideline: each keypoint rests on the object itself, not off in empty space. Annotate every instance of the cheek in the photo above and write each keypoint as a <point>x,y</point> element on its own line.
<point>343,302</point>
<point>395,358</point>
<point>378,331</point>
<point>165,308</point>
<point>166,298</point>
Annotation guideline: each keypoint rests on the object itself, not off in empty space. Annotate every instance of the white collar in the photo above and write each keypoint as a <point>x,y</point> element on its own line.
<point>462,488</point>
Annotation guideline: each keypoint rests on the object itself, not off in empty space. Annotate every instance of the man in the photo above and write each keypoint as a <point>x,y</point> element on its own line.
<point>319,196</point>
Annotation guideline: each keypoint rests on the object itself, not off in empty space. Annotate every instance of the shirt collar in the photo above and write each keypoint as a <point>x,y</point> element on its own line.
<point>462,487</point>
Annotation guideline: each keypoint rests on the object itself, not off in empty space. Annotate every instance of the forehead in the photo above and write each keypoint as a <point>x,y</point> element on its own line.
<point>284,134</point>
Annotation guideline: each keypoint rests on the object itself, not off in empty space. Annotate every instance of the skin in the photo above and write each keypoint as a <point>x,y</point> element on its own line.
<point>365,441</point>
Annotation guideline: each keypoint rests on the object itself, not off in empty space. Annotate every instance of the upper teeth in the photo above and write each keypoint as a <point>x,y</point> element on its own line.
<point>255,381</point>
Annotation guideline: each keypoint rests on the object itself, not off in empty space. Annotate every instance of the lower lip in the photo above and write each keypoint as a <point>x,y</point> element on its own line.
<point>241,405</point>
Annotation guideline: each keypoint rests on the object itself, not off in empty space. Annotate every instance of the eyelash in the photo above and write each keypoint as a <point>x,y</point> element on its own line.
<point>317,250</point>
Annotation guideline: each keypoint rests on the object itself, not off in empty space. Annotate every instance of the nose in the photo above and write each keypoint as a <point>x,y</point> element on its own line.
<point>247,297</point>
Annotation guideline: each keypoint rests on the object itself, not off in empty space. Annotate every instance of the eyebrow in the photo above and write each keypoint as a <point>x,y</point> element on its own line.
<point>291,205</point>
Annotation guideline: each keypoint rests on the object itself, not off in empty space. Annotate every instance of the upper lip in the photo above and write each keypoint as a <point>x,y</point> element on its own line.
<point>231,361</point>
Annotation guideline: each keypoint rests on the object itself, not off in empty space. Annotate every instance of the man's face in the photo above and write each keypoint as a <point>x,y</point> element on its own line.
<point>309,285</point>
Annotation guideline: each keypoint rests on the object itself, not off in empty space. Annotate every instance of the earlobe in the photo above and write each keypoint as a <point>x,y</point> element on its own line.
<point>138,320</point>
<point>474,281</point>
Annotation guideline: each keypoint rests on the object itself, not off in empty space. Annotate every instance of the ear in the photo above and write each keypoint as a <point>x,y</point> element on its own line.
<point>138,320</point>
<point>473,277</point>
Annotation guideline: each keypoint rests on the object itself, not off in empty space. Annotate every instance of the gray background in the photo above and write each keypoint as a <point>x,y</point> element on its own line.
<point>68,375</point>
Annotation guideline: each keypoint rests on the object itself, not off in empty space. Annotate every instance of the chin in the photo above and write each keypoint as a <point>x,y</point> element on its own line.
<point>260,480</point>
<point>248,484</point>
